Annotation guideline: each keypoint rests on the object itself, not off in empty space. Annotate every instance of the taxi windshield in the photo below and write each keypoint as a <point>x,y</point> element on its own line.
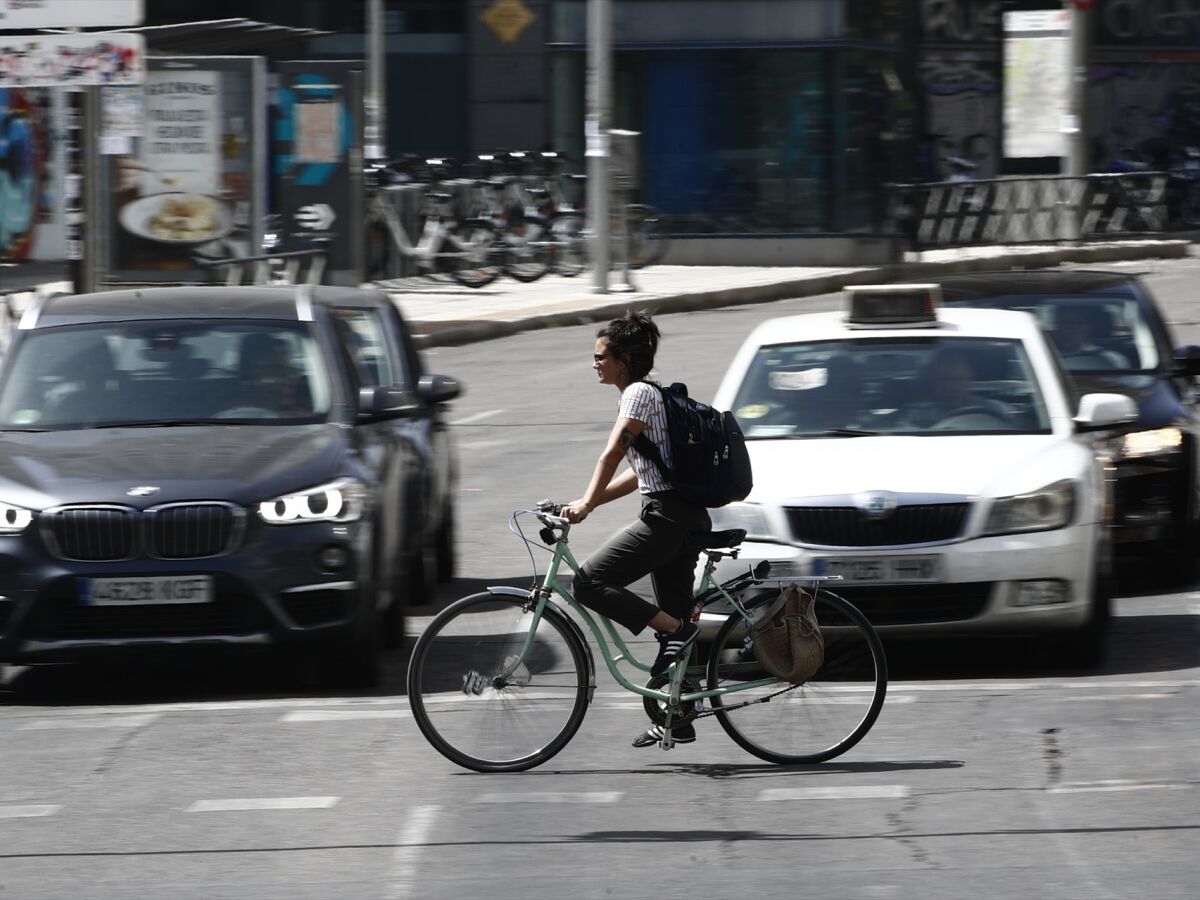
<point>848,388</point>
<point>176,372</point>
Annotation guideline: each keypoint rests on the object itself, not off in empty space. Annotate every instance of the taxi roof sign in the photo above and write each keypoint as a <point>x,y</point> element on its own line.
<point>893,304</point>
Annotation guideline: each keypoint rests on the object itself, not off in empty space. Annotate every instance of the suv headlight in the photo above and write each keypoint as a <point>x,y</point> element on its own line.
<point>749,516</point>
<point>14,519</point>
<point>1043,510</point>
<point>1149,443</point>
<point>338,501</point>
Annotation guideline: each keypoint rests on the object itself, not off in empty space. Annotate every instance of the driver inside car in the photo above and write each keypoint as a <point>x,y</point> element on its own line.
<point>949,379</point>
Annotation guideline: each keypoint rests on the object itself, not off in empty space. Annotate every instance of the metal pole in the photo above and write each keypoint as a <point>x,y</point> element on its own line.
<point>375,101</point>
<point>1076,125</point>
<point>596,126</point>
<point>93,244</point>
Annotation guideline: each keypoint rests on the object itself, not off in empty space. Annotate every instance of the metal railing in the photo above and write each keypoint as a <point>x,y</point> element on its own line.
<point>1030,209</point>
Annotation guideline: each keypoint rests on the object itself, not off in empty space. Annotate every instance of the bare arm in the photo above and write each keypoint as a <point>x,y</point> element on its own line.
<point>603,487</point>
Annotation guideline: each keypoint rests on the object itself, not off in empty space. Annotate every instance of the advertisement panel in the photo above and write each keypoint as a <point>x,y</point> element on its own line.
<point>317,161</point>
<point>70,13</point>
<point>190,185</point>
<point>68,60</point>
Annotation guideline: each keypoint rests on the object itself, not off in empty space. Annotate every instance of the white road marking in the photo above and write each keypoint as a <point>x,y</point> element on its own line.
<point>1109,785</point>
<point>240,804</point>
<point>342,715</point>
<point>1107,697</point>
<point>479,417</point>
<point>88,722</point>
<point>408,847</point>
<point>553,797</point>
<point>481,445</point>
<point>28,812</point>
<point>844,792</point>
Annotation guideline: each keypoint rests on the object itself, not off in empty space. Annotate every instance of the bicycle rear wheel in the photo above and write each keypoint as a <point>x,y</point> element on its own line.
<point>482,258</point>
<point>817,720</point>
<point>530,248</point>
<point>648,240</point>
<point>570,255</point>
<point>473,717</point>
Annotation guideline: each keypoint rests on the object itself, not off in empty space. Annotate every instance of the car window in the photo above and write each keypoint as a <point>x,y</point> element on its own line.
<point>893,385</point>
<point>365,342</point>
<point>139,373</point>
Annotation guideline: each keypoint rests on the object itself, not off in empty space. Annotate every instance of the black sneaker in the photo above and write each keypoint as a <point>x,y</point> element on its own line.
<point>670,645</point>
<point>682,734</point>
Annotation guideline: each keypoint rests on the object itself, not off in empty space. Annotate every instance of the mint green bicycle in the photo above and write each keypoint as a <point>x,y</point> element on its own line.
<point>500,681</point>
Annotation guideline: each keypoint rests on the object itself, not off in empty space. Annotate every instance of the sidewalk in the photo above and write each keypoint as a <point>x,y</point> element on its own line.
<point>445,313</point>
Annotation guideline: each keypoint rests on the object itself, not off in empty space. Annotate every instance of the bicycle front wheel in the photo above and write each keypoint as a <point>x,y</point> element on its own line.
<point>474,714</point>
<point>480,258</point>
<point>811,722</point>
<point>648,239</point>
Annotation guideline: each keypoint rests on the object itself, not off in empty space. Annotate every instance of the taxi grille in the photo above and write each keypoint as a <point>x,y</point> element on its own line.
<point>110,533</point>
<point>845,526</point>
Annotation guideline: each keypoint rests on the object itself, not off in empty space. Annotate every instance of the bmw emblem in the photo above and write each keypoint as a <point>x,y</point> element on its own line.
<point>143,490</point>
<point>876,504</point>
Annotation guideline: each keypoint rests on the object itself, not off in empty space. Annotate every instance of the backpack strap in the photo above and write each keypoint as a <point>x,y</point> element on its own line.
<point>643,445</point>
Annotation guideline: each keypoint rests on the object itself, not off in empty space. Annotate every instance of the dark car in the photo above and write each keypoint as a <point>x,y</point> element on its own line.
<point>199,466</point>
<point>1111,336</point>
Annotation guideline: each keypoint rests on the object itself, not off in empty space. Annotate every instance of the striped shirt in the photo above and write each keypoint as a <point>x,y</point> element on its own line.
<point>643,403</point>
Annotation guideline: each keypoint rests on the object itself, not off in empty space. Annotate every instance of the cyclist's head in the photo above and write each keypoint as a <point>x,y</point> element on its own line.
<point>633,339</point>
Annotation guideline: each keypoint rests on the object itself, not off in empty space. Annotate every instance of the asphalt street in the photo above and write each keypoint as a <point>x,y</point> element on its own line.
<point>992,772</point>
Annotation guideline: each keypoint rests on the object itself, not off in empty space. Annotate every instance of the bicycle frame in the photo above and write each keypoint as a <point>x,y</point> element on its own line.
<point>434,235</point>
<point>551,584</point>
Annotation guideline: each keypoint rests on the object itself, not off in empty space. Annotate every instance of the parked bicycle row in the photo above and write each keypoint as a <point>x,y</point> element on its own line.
<point>505,213</point>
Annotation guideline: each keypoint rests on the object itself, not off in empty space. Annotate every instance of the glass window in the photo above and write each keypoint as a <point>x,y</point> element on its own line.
<point>143,373</point>
<point>364,339</point>
<point>891,386</point>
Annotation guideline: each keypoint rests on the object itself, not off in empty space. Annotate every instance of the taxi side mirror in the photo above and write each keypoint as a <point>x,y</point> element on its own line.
<point>1100,411</point>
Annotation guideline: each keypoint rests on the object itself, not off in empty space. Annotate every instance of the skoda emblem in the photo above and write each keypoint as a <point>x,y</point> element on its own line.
<point>876,504</point>
<point>142,490</point>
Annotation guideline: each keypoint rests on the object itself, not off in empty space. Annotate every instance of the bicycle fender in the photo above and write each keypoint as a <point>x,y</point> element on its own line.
<point>555,610</point>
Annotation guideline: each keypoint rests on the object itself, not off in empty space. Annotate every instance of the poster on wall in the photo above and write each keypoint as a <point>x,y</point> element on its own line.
<point>25,189</point>
<point>316,150</point>
<point>187,185</point>
<point>1036,82</point>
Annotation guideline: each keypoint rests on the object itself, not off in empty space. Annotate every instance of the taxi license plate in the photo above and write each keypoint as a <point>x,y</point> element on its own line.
<point>886,569</point>
<point>149,590</point>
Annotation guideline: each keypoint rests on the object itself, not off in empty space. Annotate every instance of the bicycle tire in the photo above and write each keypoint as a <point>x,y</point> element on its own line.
<point>648,240</point>
<point>484,261</point>
<point>528,243</point>
<point>472,721</point>
<point>570,253</point>
<point>377,249</point>
<point>819,719</point>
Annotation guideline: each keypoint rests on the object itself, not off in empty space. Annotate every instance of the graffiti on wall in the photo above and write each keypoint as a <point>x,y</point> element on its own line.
<point>962,111</point>
<point>961,21</point>
<point>1144,111</point>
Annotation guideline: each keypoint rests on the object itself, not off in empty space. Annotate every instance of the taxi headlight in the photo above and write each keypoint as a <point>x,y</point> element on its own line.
<point>749,516</point>
<point>14,519</point>
<point>1150,443</point>
<point>338,501</point>
<point>1043,510</point>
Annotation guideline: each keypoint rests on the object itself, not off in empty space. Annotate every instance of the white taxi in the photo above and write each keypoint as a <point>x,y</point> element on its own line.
<point>931,457</point>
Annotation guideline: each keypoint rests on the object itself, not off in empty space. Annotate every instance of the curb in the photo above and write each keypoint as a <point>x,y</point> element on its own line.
<point>475,332</point>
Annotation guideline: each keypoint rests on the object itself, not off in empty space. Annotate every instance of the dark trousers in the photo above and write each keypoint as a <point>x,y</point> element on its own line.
<point>653,545</point>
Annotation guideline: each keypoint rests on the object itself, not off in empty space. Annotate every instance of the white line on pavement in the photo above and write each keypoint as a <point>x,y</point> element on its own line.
<point>240,804</point>
<point>1106,697</point>
<point>481,445</point>
<point>342,715</point>
<point>553,797</point>
<point>88,722</point>
<point>844,792</point>
<point>1101,787</point>
<point>408,847</point>
<point>478,417</point>
<point>28,812</point>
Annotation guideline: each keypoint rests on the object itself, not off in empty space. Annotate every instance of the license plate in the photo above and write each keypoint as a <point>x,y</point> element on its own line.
<point>885,569</point>
<point>148,590</point>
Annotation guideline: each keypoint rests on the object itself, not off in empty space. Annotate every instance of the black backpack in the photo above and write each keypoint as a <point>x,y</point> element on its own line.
<point>709,462</point>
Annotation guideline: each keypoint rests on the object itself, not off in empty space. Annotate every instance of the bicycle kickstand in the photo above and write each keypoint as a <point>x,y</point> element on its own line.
<point>681,666</point>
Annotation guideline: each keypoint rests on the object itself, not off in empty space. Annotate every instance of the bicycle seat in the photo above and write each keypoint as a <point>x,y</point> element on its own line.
<point>439,196</point>
<point>711,540</point>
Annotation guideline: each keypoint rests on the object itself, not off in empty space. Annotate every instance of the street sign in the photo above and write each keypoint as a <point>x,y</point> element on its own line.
<point>317,216</point>
<point>20,14</point>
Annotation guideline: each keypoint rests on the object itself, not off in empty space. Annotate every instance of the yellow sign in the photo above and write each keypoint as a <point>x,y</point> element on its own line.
<point>508,18</point>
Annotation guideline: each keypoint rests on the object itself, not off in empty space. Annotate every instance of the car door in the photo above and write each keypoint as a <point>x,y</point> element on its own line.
<point>395,449</point>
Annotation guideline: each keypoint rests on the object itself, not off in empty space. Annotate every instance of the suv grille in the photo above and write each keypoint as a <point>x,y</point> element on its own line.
<point>845,526</point>
<point>109,533</point>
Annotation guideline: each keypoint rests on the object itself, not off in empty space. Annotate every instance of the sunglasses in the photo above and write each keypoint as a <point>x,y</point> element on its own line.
<point>600,357</point>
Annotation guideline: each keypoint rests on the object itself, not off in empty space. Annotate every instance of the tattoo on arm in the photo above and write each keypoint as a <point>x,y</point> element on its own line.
<point>626,439</point>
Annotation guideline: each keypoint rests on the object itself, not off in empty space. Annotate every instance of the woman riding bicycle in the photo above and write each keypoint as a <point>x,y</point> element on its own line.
<point>656,543</point>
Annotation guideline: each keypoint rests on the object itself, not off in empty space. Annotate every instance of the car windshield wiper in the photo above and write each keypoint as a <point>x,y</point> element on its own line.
<point>23,430</point>
<point>848,432</point>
